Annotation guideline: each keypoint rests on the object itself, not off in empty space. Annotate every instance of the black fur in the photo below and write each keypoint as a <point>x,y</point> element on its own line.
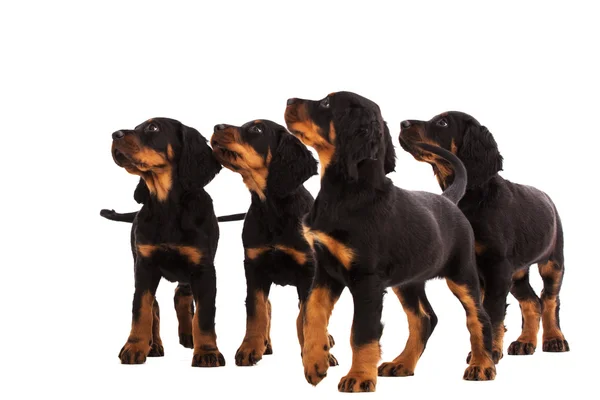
<point>175,233</point>
<point>398,238</point>
<point>260,151</point>
<point>514,226</point>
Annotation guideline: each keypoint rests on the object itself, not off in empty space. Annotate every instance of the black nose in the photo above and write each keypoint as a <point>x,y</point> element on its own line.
<point>219,127</point>
<point>118,135</point>
<point>291,101</point>
<point>405,124</point>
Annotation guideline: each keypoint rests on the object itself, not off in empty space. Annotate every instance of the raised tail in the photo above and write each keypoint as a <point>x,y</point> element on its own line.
<point>129,217</point>
<point>457,189</point>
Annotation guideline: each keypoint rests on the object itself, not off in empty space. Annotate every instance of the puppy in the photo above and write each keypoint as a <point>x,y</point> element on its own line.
<point>369,235</point>
<point>514,225</point>
<point>174,235</point>
<point>273,165</point>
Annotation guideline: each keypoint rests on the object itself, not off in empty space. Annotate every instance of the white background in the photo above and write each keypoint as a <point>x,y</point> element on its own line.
<point>74,72</point>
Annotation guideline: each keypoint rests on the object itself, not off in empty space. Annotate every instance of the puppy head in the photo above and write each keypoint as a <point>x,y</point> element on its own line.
<point>459,133</point>
<point>345,129</point>
<point>163,151</point>
<point>270,160</point>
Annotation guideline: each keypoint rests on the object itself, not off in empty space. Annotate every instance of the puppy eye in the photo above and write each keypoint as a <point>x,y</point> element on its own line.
<point>442,122</point>
<point>256,129</point>
<point>325,102</point>
<point>152,128</point>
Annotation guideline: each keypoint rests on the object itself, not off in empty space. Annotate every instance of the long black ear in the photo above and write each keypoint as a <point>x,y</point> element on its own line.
<point>141,193</point>
<point>479,153</point>
<point>361,138</point>
<point>292,164</point>
<point>197,164</point>
<point>389,161</point>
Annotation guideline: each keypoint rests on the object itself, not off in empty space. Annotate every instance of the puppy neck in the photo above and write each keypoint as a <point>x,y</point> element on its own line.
<point>160,184</point>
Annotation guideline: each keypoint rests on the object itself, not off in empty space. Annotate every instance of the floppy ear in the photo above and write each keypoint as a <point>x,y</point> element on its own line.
<point>479,153</point>
<point>292,164</point>
<point>389,161</point>
<point>141,193</point>
<point>361,139</point>
<point>197,164</point>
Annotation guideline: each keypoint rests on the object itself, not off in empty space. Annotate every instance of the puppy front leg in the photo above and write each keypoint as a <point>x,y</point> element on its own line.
<point>258,315</point>
<point>139,343</point>
<point>204,289</point>
<point>324,293</point>
<point>367,293</point>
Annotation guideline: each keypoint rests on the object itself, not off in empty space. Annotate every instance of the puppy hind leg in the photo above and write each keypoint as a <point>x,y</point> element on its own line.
<point>157,349</point>
<point>552,273</point>
<point>184,308</point>
<point>466,288</point>
<point>421,323</point>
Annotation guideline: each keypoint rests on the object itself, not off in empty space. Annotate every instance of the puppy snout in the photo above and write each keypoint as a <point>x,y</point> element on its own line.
<point>291,101</point>
<point>220,127</point>
<point>118,135</point>
<point>405,124</point>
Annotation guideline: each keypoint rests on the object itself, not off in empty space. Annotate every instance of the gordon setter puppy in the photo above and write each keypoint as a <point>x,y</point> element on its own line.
<point>273,165</point>
<point>174,235</point>
<point>514,226</point>
<point>368,235</point>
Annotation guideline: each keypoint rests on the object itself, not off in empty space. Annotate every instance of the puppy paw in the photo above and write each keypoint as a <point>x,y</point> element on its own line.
<point>395,369</point>
<point>480,372</point>
<point>208,358</point>
<point>357,382</point>
<point>186,340</point>
<point>249,353</point>
<point>316,362</point>
<point>555,345</point>
<point>156,350</point>
<point>134,352</point>
<point>517,348</point>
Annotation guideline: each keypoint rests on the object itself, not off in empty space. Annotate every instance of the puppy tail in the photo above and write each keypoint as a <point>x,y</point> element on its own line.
<point>232,217</point>
<point>115,216</point>
<point>129,217</point>
<point>457,189</point>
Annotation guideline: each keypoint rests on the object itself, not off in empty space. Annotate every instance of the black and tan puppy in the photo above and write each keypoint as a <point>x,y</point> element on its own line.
<point>273,165</point>
<point>174,235</point>
<point>514,225</point>
<point>369,235</point>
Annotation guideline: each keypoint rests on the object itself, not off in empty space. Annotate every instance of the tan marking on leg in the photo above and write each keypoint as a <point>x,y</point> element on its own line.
<point>550,326</point>
<point>315,353</point>
<point>530,311</point>
<point>406,362</point>
<point>362,376</point>
<point>253,252</point>
<point>297,255</point>
<point>140,336</point>
<point>481,365</point>
<point>255,341</point>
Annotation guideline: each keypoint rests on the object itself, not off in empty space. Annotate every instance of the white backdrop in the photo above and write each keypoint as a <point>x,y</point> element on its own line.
<point>74,72</point>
